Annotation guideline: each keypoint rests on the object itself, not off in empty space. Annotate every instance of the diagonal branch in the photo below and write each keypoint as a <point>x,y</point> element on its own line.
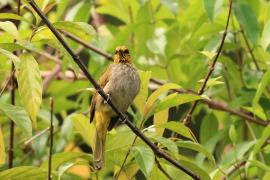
<point>211,69</point>
<point>122,116</point>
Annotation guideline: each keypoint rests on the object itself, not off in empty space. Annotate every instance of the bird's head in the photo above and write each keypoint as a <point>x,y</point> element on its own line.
<point>122,55</point>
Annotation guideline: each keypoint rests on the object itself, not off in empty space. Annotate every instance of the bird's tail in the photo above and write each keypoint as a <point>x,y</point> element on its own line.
<point>102,122</point>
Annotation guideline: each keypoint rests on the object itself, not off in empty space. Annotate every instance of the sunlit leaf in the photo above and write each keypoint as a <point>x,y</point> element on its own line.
<point>84,127</point>
<point>24,172</point>
<point>161,117</point>
<point>30,85</point>
<point>143,93</point>
<point>10,28</point>
<point>179,128</point>
<point>265,39</point>
<point>155,95</point>
<point>65,157</point>
<point>2,148</point>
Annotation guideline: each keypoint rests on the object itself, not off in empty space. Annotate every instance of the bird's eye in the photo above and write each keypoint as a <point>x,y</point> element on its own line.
<point>126,51</point>
<point>116,52</point>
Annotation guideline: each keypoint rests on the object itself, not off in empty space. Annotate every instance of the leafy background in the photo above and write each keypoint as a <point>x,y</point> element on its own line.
<point>171,41</point>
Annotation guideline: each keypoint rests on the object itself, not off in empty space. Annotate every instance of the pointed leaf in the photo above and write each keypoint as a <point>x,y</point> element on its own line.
<point>145,159</point>
<point>265,40</point>
<point>143,93</point>
<point>248,21</point>
<point>196,147</point>
<point>30,85</point>
<point>2,148</point>
<point>10,28</point>
<point>19,116</point>
<point>86,129</point>
<point>261,141</point>
<point>24,172</point>
<point>155,95</point>
<point>179,128</point>
<point>161,118</point>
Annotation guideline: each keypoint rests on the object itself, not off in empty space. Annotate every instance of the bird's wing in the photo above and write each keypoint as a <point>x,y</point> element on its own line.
<point>104,79</point>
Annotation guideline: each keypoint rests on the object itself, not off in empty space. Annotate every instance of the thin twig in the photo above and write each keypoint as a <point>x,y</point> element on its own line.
<point>29,141</point>
<point>125,159</point>
<point>87,45</point>
<point>13,87</point>
<point>7,82</point>
<point>211,69</point>
<point>122,116</point>
<point>51,141</point>
<point>162,169</point>
<point>250,51</point>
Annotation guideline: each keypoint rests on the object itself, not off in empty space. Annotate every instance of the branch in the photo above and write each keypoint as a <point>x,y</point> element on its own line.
<point>211,69</point>
<point>122,116</point>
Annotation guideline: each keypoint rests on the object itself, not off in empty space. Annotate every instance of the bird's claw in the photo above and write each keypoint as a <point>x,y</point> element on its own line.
<point>108,99</point>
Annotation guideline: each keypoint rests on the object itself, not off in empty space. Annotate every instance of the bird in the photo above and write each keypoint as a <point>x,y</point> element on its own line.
<point>121,82</point>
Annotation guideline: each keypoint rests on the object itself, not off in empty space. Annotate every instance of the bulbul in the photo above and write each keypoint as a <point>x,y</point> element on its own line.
<point>121,83</point>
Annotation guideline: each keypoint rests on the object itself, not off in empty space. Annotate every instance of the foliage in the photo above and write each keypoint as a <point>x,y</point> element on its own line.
<point>170,41</point>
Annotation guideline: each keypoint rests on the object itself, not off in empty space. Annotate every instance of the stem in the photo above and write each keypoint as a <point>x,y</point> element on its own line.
<point>51,141</point>
<point>187,118</point>
<point>122,116</point>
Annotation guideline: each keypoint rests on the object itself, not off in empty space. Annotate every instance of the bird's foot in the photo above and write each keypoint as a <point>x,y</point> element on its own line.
<point>108,99</point>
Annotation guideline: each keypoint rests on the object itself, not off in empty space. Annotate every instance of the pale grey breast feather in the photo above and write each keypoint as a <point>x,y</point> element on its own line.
<point>124,85</point>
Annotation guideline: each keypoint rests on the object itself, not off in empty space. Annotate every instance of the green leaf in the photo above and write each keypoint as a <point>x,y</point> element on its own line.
<point>248,21</point>
<point>161,118</point>
<point>209,55</point>
<point>61,158</point>
<point>265,39</point>
<point>259,165</point>
<point>209,125</point>
<point>212,81</point>
<point>169,144</point>
<point>13,16</point>
<point>263,138</point>
<point>171,4</point>
<point>30,85</point>
<point>144,157</point>
<point>197,147</point>
<point>196,169</point>
<point>156,94</point>
<point>12,57</point>
<point>79,12</point>
<point>19,116</point>
<point>261,87</point>
<point>175,99</point>
<point>233,134</point>
<point>143,93</point>
<point>24,172</point>
<point>10,28</point>
<point>209,6</point>
<point>179,128</point>
<point>84,127</point>
<point>80,29</point>
<point>2,149</point>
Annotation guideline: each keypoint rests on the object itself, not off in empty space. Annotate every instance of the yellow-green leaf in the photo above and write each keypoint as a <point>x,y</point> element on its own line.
<point>143,93</point>
<point>30,85</point>
<point>86,129</point>
<point>2,149</point>
<point>161,118</point>
<point>10,28</point>
<point>155,95</point>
